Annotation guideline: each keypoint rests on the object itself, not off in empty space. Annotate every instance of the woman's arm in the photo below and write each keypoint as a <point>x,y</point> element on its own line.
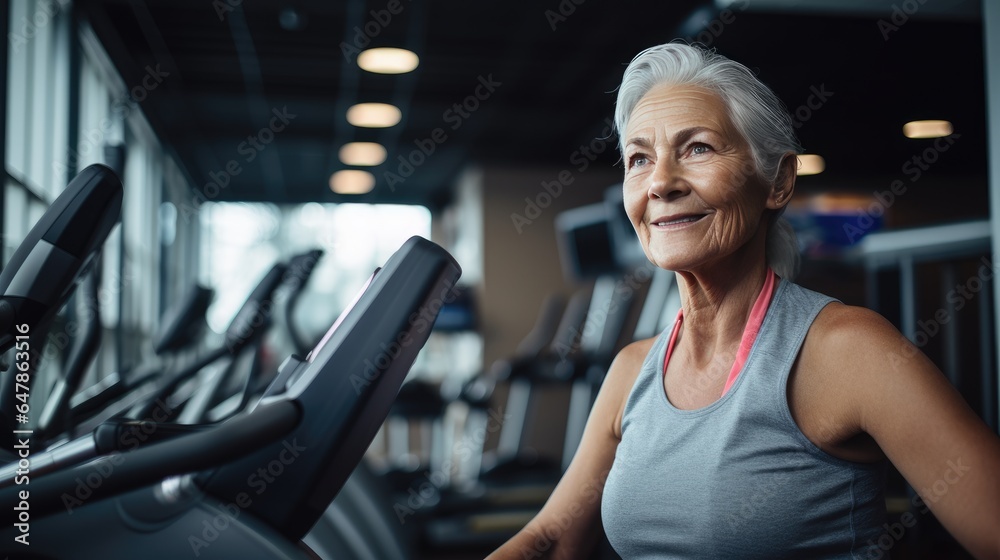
<point>570,522</point>
<point>898,396</point>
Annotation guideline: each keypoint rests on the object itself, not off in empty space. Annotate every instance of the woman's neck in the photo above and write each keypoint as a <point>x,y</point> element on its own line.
<point>716,303</point>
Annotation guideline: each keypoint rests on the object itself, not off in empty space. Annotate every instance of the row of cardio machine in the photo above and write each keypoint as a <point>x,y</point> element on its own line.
<point>181,459</point>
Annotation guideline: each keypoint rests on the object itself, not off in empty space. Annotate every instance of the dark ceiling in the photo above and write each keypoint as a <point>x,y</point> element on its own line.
<point>554,66</point>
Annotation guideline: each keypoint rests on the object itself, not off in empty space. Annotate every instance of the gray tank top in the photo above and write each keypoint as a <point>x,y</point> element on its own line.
<point>737,478</point>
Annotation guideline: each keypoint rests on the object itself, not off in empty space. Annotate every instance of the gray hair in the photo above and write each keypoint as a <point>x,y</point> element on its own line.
<point>757,113</point>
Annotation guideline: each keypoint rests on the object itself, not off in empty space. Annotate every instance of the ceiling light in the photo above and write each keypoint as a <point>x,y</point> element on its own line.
<point>927,129</point>
<point>362,153</point>
<point>374,115</point>
<point>810,164</point>
<point>388,60</point>
<point>839,203</point>
<point>352,181</point>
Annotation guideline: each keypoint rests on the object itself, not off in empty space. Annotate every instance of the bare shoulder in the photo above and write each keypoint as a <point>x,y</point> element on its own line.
<point>866,366</point>
<point>852,349</point>
<point>630,358</point>
<point>880,382</point>
<point>840,323</point>
<point>841,359</point>
<point>628,362</point>
<point>847,335</point>
<point>622,375</point>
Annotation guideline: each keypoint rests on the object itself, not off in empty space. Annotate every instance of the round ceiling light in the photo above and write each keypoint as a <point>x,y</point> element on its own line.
<point>810,164</point>
<point>352,181</point>
<point>927,129</point>
<point>374,115</point>
<point>388,60</point>
<point>362,153</point>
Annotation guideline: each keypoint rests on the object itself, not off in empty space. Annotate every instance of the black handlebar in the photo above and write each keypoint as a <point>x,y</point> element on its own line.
<point>43,270</point>
<point>148,465</point>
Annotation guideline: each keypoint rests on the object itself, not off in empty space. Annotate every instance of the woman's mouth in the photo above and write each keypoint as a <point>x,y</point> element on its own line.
<point>677,221</point>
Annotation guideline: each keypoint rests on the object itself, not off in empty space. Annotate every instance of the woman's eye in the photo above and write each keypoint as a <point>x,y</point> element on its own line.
<point>637,160</point>
<point>698,149</point>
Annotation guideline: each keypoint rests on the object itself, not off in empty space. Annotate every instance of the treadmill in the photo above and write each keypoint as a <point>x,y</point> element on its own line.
<point>251,487</point>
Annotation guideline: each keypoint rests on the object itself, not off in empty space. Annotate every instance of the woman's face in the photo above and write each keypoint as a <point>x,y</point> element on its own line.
<point>690,187</point>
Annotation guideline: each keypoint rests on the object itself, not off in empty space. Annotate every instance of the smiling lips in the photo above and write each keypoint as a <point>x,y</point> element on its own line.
<point>675,221</point>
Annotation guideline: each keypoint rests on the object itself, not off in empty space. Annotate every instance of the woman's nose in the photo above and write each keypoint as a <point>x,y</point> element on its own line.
<point>667,181</point>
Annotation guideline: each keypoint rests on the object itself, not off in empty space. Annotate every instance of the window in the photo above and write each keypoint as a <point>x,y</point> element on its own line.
<point>242,242</point>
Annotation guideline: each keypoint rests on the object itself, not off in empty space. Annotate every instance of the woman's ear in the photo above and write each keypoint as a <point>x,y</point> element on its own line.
<point>784,183</point>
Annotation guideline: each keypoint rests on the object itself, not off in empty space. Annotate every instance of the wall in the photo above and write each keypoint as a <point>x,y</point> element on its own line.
<point>520,259</point>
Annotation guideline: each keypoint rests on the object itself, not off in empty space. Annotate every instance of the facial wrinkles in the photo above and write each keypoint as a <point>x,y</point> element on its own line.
<point>720,182</point>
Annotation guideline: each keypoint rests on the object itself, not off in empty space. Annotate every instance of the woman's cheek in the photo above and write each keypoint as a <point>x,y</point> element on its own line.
<point>633,207</point>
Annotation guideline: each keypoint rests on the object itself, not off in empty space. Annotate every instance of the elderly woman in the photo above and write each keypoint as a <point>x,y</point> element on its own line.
<point>760,424</point>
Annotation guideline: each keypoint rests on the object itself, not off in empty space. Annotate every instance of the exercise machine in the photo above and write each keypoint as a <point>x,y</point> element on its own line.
<point>253,486</point>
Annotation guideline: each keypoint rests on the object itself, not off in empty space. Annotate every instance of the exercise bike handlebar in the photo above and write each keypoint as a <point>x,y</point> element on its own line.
<point>43,270</point>
<point>248,325</point>
<point>186,454</point>
<point>345,387</point>
<point>184,322</point>
<point>56,413</point>
<point>300,268</point>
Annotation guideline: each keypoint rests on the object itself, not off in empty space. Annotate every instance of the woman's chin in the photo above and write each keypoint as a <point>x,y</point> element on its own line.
<point>673,261</point>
